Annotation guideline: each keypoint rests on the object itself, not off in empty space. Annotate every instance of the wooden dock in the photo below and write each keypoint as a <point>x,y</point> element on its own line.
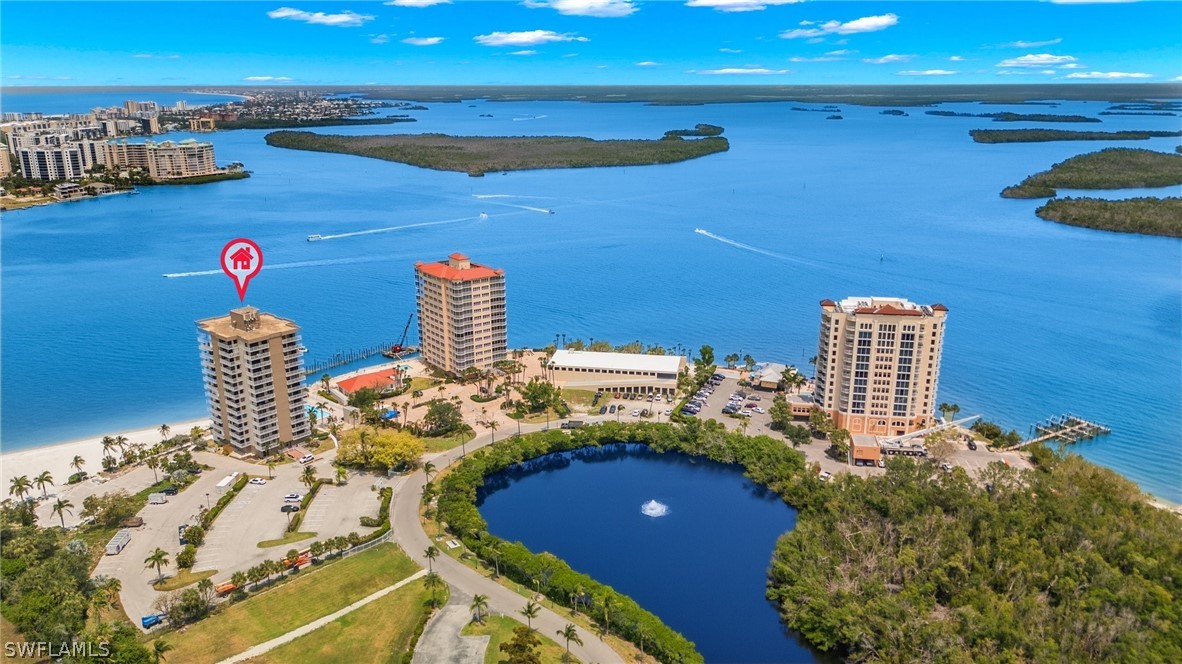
<point>1065,429</point>
<point>345,357</point>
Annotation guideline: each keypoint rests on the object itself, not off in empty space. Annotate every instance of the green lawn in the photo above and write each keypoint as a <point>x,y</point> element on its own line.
<point>377,632</point>
<point>286,539</point>
<point>185,577</point>
<point>423,383</point>
<point>500,629</point>
<point>317,593</point>
<point>443,443</point>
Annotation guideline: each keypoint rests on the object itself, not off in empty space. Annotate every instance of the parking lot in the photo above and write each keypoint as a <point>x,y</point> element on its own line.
<point>337,510</point>
<point>253,516</point>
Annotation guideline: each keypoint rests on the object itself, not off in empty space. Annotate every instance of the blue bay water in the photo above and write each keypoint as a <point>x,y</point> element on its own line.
<point>702,568</point>
<point>1044,319</point>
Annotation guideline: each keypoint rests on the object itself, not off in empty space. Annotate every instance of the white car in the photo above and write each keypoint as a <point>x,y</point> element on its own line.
<point>826,476</point>
<point>745,412</point>
<point>292,498</point>
<point>636,413</point>
<point>258,480</point>
<point>759,410</point>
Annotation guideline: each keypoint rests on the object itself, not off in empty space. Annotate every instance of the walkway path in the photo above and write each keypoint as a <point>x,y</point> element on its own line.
<point>321,622</point>
<point>466,581</point>
<point>441,641</point>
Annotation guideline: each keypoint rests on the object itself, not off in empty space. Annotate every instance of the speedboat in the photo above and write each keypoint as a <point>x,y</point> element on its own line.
<point>314,237</point>
<point>484,215</point>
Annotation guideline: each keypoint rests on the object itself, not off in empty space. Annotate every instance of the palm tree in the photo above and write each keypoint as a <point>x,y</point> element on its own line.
<point>78,462</point>
<point>309,476</point>
<point>158,650</point>
<point>570,634</point>
<point>324,380</point>
<point>158,559</point>
<point>108,445</point>
<point>121,443</point>
<point>479,607</point>
<point>270,467</point>
<point>429,470</point>
<point>238,579</point>
<point>164,431</point>
<point>607,625</point>
<point>43,479</point>
<point>530,612</point>
<point>342,473</point>
<point>494,552</point>
<point>492,429</point>
<point>434,582</point>
<point>61,506</point>
<point>20,486</point>
<point>405,411</point>
<point>153,463</point>
<point>196,434</point>
<point>432,553</point>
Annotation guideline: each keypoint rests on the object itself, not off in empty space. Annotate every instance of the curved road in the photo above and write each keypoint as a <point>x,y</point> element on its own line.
<point>408,532</point>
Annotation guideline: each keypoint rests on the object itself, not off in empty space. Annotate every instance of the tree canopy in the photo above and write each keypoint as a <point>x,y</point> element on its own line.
<point>379,448</point>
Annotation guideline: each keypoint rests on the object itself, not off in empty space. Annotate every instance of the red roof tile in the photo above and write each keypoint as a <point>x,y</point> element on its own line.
<point>887,310</point>
<point>442,270</point>
<point>378,379</point>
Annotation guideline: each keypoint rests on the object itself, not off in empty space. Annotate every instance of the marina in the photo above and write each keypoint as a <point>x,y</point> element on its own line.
<point>1065,429</point>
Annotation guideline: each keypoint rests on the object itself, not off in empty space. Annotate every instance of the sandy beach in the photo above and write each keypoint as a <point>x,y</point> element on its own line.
<point>56,458</point>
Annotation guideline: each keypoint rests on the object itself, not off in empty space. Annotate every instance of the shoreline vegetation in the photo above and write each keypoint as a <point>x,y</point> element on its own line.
<point>1147,216</point>
<point>1016,117</point>
<point>1045,135</point>
<point>477,155</point>
<point>1111,168</point>
<point>291,123</point>
<point>1067,561</point>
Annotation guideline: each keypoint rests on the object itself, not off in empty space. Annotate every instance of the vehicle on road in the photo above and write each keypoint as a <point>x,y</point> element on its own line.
<point>973,445</point>
<point>572,424</point>
<point>826,476</point>
<point>225,588</point>
<point>635,413</point>
<point>292,498</point>
<point>602,410</point>
<point>307,458</point>
<point>258,480</point>
<point>157,498</point>
<point>612,408</point>
<point>289,508</point>
<point>169,491</point>
<point>152,620</point>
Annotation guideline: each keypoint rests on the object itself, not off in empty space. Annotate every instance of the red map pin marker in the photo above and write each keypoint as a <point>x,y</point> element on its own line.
<point>241,260</point>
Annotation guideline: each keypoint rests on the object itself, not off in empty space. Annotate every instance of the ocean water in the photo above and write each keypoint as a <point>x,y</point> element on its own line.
<point>702,567</point>
<point>1044,318</point>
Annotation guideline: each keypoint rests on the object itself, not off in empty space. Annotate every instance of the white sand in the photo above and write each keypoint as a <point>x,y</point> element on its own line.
<point>56,458</point>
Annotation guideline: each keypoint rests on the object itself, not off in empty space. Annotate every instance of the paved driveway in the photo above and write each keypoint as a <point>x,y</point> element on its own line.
<point>337,510</point>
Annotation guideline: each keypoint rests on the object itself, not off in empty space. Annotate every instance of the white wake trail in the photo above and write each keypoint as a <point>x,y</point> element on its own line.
<point>281,266</point>
<point>747,247</point>
<point>397,228</point>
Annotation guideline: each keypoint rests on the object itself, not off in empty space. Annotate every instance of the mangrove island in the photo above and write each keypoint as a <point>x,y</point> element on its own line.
<point>1146,215</point>
<point>1112,168</point>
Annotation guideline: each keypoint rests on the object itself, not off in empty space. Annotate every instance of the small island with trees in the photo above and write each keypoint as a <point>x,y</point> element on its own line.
<point>1016,117</point>
<point>1113,168</point>
<point>1146,215</point>
<point>1045,135</point>
<point>477,155</point>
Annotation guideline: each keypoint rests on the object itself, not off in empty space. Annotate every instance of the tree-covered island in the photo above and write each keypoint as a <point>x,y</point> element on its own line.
<point>1046,135</point>
<point>477,155</point>
<point>1113,168</point>
<point>1147,215</point>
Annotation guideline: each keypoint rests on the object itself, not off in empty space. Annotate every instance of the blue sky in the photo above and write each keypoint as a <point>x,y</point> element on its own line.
<point>425,42</point>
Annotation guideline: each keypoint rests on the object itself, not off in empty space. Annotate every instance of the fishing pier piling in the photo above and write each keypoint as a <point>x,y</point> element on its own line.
<point>1066,429</point>
<point>345,357</point>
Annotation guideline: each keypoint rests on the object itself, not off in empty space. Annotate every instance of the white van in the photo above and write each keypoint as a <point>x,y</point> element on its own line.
<point>307,458</point>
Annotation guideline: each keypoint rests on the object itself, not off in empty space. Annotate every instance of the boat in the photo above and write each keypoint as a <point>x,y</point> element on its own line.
<point>550,211</point>
<point>303,349</point>
<point>314,237</point>
<point>484,215</point>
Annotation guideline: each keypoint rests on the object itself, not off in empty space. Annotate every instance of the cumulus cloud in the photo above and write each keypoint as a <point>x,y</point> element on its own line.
<point>730,50</point>
<point>260,79</point>
<point>648,63</point>
<point>739,5</point>
<point>1037,60</point>
<point>422,41</point>
<point>927,72</point>
<point>956,58</point>
<point>841,51</point>
<point>379,39</point>
<point>756,71</point>
<point>526,38</point>
<point>153,56</point>
<point>1031,44</point>
<point>524,52</point>
<point>345,19</point>
<point>1108,74</point>
<point>39,77</point>
<point>1071,65</point>
<point>1024,72</point>
<point>888,59</point>
<point>596,8</point>
<point>417,3</point>
<point>864,24</point>
<point>824,58</point>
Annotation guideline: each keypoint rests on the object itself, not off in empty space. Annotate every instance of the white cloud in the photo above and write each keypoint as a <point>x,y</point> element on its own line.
<point>1024,72</point>
<point>739,5</point>
<point>1037,60</point>
<point>888,59</point>
<point>648,63</point>
<point>1032,44</point>
<point>379,39</point>
<point>864,24</point>
<point>1178,78</point>
<point>596,8</point>
<point>730,50</point>
<point>422,41</point>
<point>417,3</point>
<point>525,52</point>
<point>570,55</point>
<point>526,38</point>
<point>956,58</point>
<point>153,56</point>
<point>927,72</point>
<point>257,79</point>
<point>841,51</point>
<point>824,58</point>
<point>345,19</point>
<point>1108,74</point>
<point>39,77</point>
<point>757,71</point>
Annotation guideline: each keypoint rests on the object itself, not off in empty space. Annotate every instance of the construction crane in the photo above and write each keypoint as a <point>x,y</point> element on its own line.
<point>401,345</point>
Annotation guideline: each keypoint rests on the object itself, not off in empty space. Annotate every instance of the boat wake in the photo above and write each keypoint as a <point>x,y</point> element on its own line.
<point>531,117</point>
<point>747,247</point>
<point>388,229</point>
<point>506,196</point>
<point>282,266</point>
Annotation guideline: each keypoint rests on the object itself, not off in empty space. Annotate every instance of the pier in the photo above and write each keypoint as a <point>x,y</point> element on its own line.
<point>346,357</point>
<point>1066,429</point>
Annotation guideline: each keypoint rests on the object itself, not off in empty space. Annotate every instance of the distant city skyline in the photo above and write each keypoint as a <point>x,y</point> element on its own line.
<point>587,42</point>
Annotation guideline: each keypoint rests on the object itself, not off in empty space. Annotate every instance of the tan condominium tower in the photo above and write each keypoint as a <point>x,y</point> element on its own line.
<point>878,363</point>
<point>461,313</point>
<point>254,380</point>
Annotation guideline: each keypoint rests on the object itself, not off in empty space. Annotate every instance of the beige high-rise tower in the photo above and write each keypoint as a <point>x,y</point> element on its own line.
<point>254,380</point>
<point>461,308</point>
<point>878,363</point>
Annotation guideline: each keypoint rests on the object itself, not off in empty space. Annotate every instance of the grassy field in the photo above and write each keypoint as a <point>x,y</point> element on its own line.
<point>500,629</point>
<point>185,577</point>
<point>423,383</point>
<point>377,632</point>
<point>444,443</point>
<point>477,155</point>
<point>315,594</point>
<point>581,399</point>
<point>286,539</point>
<point>1113,168</point>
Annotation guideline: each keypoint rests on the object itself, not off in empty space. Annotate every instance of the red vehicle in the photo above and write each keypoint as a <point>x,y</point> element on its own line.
<point>225,588</point>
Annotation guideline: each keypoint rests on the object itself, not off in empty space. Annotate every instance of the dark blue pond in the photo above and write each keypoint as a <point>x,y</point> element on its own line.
<point>702,567</point>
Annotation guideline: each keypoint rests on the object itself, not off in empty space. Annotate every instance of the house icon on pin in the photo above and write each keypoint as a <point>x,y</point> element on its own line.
<point>242,258</point>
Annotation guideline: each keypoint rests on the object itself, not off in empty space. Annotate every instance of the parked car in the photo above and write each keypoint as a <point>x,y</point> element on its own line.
<point>636,413</point>
<point>612,408</point>
<point>258,480</point>
<point>307,458</point>
<point>289,508</point>
<point>169,491</point>
<point>881,463</point>
<point>602,410</point>
<point>759,410</point>
<point>745,413</point>
<point>729,410</point>
<point>946,467</point>
<point>292,498</point>
<point>826,476</point>
<point>755,397</point>
<point>973,445</point>
<point>180,533</point>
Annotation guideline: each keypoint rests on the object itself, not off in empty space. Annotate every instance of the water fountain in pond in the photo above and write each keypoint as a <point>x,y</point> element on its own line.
<point>654,509</point>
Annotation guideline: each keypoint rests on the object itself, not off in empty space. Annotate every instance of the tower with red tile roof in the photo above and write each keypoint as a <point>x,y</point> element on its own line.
<point>461,307</point>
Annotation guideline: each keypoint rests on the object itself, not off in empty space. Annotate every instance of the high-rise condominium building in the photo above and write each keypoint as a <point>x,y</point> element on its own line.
<point>254,380</point>
<point>461,308</point>
<point>878,363</point>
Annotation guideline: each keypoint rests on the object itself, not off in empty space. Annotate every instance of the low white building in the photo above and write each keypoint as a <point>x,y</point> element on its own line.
<point>615,372</point>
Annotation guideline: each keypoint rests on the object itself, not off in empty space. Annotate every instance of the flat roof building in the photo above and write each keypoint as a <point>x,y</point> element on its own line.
<point>615,372</point>
<point>254,380</point>
<point>878,363</point>
<point>461,308</point>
